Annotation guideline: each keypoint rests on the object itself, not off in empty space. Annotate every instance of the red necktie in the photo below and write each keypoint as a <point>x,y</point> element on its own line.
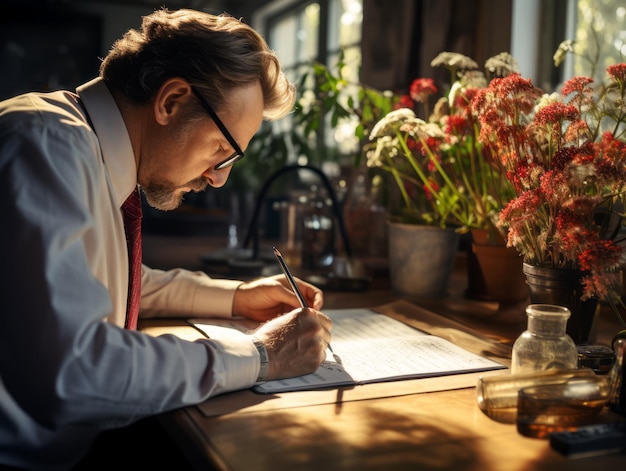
<point>132,226</point>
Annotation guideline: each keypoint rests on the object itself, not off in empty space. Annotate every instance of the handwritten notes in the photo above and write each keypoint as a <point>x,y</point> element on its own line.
<point>370,347</point>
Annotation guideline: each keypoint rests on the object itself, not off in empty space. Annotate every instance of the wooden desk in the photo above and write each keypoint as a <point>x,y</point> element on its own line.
<point>411,429</point>
<point>406,430</point>
<point>443,431</point>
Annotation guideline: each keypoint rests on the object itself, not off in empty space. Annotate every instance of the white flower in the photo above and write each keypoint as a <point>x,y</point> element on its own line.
<point>502,64</point>
<point>454,60</point>
<point>387,148</point>
<point>387,125</point>
<point>419,128</point>
<point>432,130</point>
<point>470,79</point>
<point>547,99</point>
<point>559,55</point>
<point>473,79</point>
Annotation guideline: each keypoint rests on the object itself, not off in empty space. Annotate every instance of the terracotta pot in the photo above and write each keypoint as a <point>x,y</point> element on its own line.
<point>501,269</point>
<point>494,271</point>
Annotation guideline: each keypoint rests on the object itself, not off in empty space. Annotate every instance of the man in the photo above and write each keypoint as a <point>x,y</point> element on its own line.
<point>174,107</point>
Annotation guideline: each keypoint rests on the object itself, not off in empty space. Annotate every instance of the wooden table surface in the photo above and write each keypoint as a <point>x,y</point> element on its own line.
<point>439,430</point>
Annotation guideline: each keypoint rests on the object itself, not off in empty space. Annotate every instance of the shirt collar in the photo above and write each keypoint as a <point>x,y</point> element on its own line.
<point>115,144</point>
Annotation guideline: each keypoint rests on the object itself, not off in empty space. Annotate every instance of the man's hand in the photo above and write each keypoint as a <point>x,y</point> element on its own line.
<point>296,342</point>
<point>266,298</point>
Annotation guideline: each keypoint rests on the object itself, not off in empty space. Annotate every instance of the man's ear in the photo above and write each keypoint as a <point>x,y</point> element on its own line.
<point>170,99</point>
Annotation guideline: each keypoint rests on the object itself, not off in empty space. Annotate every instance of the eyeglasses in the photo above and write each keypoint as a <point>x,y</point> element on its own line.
<point>238,154</point>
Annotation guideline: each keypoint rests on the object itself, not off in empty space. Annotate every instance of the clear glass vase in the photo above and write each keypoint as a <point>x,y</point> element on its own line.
<point>544,344</point>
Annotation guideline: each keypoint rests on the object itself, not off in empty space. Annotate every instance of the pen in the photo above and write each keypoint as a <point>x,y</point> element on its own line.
<point>296,290</point>
<point>289,276</point>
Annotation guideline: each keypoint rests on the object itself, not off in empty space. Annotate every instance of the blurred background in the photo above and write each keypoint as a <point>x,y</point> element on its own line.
<point>353,45</point>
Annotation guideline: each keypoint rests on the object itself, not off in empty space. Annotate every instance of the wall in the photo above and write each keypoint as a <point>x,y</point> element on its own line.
<point>399,43</point>
<point>48,45</point>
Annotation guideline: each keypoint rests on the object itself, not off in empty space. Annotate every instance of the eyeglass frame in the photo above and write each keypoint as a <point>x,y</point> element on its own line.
<point>238,154</point>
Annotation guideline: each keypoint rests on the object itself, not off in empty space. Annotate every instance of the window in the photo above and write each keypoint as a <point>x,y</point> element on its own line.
<point>599,33</point>
<point>595,27</point>
<point>302,32</point>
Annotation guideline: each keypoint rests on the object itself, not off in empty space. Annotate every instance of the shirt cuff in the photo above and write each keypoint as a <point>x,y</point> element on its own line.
<point>264,362</point>
<point>237,363</point>
<point>217,299</point>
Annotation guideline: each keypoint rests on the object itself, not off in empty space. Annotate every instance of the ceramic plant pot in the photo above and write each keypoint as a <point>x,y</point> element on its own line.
<point>421,259</point>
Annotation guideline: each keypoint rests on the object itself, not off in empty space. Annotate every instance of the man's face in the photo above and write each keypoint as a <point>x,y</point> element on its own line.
<point>181,156</point>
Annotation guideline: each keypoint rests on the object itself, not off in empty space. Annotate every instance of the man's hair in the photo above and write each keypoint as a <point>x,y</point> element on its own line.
<point>214,53</point>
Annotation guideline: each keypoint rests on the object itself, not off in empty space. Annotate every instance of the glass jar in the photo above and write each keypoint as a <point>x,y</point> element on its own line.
<point>544,344</point>
<point>545,409</point>
<point>497,395</point>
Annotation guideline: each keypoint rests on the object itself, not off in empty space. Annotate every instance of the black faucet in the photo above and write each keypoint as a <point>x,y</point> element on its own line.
<point>252,232</point>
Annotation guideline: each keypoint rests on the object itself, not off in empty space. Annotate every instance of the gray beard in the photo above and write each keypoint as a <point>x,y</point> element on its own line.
<point>162,198</point>
<point>166,198</point>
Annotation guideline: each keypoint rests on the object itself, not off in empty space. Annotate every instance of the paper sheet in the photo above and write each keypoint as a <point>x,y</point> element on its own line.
<point>370,347</point>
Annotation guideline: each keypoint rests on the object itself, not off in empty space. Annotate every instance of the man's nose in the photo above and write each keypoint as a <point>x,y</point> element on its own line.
<point>217,178</point>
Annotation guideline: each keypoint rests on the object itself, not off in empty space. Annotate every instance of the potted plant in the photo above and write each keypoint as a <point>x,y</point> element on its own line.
<point>565,155</point>
<point>444,174</point>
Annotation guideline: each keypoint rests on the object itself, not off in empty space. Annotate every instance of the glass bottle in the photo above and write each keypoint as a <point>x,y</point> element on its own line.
<point>356,212</point>
<point>318,237</point>
<point>544,344</point>
<point>617,401</point>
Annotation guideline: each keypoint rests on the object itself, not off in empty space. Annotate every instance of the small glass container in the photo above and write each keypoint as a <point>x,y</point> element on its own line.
<point>599,358</point>
<point>545,409</point>
<point>497,395</point>
<point>544,344</point>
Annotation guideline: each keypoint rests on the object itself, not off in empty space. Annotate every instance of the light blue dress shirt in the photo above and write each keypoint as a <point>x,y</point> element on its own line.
<point>68,369</point>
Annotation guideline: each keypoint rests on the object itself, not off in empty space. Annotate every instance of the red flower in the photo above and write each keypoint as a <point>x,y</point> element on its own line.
<point>432,184</point>
<point>414,145</point>
<point>405,101</point>
<point>458,125</point>
<point>431,166</point>
<point>578,86</point>
<point>422,88</point>
<point>562,174</point>
<point>618,73</point>
<point>579,91</point>
<point>463,100</point>
<point>556,114</point>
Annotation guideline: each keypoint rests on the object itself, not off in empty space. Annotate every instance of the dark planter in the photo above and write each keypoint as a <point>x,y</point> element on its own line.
<point>563,287</point>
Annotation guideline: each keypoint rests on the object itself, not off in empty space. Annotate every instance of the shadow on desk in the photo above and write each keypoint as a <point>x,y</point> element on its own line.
<point>142,445</point>
<point>381,438</point>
